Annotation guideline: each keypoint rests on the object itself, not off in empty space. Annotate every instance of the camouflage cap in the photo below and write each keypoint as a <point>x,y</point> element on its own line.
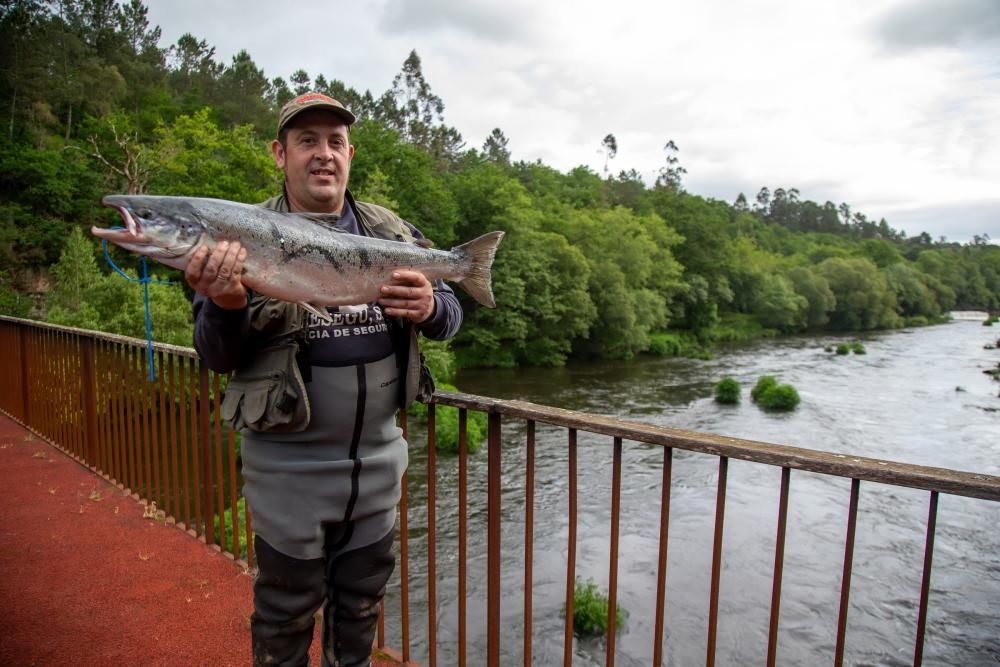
<point>313,100</point>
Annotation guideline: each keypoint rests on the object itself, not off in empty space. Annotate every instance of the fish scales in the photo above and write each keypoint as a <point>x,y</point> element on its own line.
<point>292,256</point>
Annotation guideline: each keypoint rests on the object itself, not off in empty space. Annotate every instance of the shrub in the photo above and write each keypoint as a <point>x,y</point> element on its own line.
<point>858,348</point>
<point>779,397</point>
<point>763,384</point>
<point>828,348</point>
<point>446,424</point>
<point>988,322</point>
<point>727,391</point>
<point>843,348</point>
<point>590,610</point>
<point>917,321</point>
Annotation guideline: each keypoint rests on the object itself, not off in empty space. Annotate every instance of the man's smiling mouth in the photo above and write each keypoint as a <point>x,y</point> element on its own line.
<point>321,172</point>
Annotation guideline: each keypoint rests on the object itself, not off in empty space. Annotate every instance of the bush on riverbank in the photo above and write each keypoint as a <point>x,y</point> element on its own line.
<point>676,344</point>
<point>590,610</point>
<point>858,348</point>
<point>770,395</point>
<point>727,391</point>
<point>843,349</point>
<point>446,424</point>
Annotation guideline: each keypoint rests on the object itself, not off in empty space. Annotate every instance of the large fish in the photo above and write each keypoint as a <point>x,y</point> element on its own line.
<point>297,257</point>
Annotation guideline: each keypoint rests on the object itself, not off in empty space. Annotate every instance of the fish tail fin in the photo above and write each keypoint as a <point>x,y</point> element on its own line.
<point>478,279</point>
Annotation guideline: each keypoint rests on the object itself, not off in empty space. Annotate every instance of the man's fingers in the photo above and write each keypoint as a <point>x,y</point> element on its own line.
<point>193,271</point>
<point>407,277</point>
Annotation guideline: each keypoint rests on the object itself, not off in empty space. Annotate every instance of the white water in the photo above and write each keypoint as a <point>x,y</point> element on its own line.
<point>918,396</point>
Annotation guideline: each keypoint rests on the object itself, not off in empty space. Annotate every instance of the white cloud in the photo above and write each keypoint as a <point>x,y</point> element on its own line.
<point>855,101</point>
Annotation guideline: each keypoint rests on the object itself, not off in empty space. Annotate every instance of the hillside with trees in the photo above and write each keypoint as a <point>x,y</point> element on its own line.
<point>593,265</point>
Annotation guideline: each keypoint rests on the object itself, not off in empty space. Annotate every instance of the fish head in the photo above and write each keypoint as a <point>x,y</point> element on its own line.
<point>166,229</point>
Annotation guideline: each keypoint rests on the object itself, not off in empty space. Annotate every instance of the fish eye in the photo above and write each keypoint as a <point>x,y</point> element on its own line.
<point>144,213</point>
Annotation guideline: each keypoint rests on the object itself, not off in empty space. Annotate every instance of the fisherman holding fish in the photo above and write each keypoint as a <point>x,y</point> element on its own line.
<point>315,391</point>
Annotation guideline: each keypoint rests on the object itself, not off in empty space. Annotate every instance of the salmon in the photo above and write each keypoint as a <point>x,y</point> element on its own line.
<point>297,257</point>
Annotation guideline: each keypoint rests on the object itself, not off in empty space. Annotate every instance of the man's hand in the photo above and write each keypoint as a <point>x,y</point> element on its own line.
<point>219,278</point>
<point>409,295</point>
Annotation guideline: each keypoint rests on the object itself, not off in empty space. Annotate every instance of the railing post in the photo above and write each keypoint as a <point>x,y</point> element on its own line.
<point>89,382</point>
<point>22,335</point>
<point>493,543</point>
<point>206,455</point>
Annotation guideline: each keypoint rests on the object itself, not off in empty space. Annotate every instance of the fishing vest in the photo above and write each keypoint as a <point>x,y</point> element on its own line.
<point>268,392</point>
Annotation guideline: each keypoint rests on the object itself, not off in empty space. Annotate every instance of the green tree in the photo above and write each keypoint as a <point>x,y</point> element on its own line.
<point>864,298</point>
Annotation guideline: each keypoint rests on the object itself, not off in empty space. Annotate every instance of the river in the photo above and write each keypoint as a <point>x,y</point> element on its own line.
<point>918,396</point>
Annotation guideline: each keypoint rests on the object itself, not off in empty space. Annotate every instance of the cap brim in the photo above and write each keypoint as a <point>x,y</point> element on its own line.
<point>340,112</point>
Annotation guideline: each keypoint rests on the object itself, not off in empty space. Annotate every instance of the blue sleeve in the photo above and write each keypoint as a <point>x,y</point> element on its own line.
<point>219,334</point>
<point>447,317</point>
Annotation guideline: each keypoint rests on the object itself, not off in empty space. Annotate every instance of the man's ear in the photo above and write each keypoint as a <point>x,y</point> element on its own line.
<point>278,153</point>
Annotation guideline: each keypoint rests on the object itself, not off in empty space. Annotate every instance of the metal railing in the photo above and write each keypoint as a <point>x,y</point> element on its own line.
<point>164,442</point>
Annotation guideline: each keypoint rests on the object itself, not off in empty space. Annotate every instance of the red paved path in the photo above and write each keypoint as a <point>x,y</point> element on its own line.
<point>86,580</point>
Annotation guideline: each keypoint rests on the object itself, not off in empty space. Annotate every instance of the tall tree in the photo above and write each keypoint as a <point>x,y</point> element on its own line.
<point>609,146</point>
<point>671,173</point>
<point>495,148</point>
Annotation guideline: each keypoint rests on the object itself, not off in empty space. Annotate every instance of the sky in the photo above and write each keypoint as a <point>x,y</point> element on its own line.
<point>892,106</point>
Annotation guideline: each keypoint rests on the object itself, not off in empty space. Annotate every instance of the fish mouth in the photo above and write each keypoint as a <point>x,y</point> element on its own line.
<point>131,224</point>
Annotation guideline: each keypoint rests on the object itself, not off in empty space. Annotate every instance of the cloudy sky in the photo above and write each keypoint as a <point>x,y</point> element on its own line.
<point>892,106</point>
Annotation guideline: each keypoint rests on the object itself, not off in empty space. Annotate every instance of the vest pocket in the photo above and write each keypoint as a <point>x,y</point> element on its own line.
<point>268,394</point>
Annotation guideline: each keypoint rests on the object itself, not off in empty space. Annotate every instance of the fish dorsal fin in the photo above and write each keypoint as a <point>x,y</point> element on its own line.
<point>320,313</point>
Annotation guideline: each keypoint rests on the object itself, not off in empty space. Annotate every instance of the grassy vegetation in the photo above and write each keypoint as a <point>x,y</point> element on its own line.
<point>770,395</point>
<point>590,610</point>
<point>727,391</point>
<point>446,424</point>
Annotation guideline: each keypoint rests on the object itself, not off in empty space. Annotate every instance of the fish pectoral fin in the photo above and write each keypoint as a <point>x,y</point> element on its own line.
<point>321,314</point>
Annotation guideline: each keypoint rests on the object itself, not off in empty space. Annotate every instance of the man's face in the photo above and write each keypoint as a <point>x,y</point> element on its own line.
<point>316,159</point>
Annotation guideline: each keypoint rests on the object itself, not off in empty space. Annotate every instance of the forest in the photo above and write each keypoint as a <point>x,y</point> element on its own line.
<point>593,264</point>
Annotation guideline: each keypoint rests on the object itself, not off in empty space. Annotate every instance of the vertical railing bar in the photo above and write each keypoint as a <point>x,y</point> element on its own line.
<point>118,373</point>
<point>85,380</point>
<point>570,552</point>
<point>493,542</point>
<point>133,420</point>
<point>431,537</point>
<point>616,493</point>
<point>163,376</point>
<point>186,375</point>
<point>101,404</point>
<point>59,386</point>
<point>148,432</point>
<point>925,582</point>
<point>529,535</point>
<point>205,444</point>
<point>64,402</point>
<point>463,530</point>
<point>23,336</point>
<point>661,570</point>
<point>175,506</point>
<point>845,589</point>
<point>720,517</point>
<point>404,553</point>
<point>216,426</point>
<point>779,563</point>
<point>233,500</point>
<point>76,376</point>
<point>156,421</point>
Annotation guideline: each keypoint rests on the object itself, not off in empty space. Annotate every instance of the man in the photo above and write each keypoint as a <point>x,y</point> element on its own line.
<point>323,488</point>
